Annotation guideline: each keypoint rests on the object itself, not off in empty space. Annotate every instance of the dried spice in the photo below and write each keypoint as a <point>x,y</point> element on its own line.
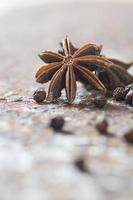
<point>114,76</point>
<point>102,128</point>
<point>125,94</point>
<point>39,95</point>
<point>80,165</point>
<point>121,63</point>
<point>119,93</point>
<point>100,101</point>
<point>129,137</point>
<point>109,79</point>
<point>129,98</point>
<point>128,88</point>
<point>57,123</point>
<point>122,74</point>
<point>69,66</point>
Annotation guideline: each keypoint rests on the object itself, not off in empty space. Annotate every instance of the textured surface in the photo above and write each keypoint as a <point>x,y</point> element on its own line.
<point>35,163</point>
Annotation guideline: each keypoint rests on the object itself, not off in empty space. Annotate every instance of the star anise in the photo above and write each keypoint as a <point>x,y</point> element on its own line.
<point>69,66</point>
<point>114,76</point>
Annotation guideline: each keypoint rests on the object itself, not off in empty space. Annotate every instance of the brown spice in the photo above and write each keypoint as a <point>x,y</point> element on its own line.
<point>116,75</point>
<point>121,63</point>
<point>109,79</point>
<point>128,88</point>
<point>80,165</point>
<point>102,127</point>
<point>72,65</point>
<point>39,95</point>
<point>57,123</point>
<point>126,94</point>
<point>123,75</point>
<point>129,137</point>
<point>129,98</point>
<point>119,93</point>
<point>100,101</point>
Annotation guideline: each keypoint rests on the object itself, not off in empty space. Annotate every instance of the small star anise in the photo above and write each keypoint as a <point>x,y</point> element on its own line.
<point>64,69</point>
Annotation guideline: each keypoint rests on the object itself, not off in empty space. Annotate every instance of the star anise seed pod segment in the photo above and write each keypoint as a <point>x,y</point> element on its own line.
<point>63,70</point>
<point>114,76</point>
<point>121,63</point>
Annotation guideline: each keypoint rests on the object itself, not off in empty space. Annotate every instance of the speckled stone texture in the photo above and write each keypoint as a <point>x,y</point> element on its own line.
<point>36,163</point>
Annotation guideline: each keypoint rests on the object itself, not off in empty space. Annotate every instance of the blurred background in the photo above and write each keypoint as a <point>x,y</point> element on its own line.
<point>6,5</point>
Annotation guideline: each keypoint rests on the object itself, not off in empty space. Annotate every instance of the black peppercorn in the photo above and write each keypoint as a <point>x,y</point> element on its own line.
<point>102,126</point>
<point>128,88</point>
<point>57,123</point>
<point>129,137</point>
<point>39,95</point>
<point>100,101</point>
<point>80,165</point>
<point>119,93</point>
<point>129,97</point>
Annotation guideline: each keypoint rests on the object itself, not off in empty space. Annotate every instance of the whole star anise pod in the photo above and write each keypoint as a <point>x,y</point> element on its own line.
<point>64,69</point>
<point>114,76</point>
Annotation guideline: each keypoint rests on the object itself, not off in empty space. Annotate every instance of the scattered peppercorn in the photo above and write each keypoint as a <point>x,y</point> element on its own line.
<point>129,137</point>
<point>102,126</point>
<point>126,94</point>
<point>57,123</point>
<point>100,101</point>
<point>119,93</point>
<point>39,95</point>
<point>129,97</point>
<point>80,165</point>
<point>128,88</point>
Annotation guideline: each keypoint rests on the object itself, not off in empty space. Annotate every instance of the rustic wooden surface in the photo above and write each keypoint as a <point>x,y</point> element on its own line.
<point>35,163</point>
